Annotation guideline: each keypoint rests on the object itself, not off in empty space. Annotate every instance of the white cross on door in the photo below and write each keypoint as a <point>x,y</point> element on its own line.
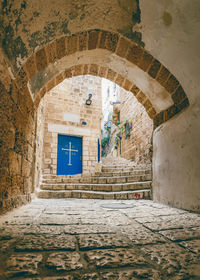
<point>70,150</point>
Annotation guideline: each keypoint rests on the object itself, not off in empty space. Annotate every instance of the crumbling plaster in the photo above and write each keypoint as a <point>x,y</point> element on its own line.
<point>27,25</point>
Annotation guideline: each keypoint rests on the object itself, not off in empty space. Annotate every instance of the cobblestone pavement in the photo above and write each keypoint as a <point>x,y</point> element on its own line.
<point>95,239</point>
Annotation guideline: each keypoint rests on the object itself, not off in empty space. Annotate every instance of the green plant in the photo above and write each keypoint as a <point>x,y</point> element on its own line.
<point>104,141</point>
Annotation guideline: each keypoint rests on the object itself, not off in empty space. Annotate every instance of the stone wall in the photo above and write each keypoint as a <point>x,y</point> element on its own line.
<point>137,146</point>
<point>39,142</point>
<point>64,113</point>
<point>17,130</point>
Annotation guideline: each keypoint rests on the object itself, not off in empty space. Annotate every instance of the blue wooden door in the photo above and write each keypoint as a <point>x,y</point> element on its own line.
<point>99,150</point>
<point>69,156</point>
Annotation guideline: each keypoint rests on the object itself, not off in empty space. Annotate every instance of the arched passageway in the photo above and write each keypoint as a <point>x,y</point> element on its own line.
<point>119,60</point>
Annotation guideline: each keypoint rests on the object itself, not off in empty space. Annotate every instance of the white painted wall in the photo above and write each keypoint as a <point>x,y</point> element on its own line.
<point>171,32</point>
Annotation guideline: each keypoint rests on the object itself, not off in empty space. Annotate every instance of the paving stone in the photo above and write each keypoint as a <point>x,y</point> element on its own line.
<point>65,261</point>
<point>171,222</point>
<point>74,229</point>
<point>139,273</point>
<point>50,229</point>
<point>58,220</point>
<point>23,264</point>
<point>171,258</point>
<point>182,234</point>
<point>114,258</point>
<point>46,242</point>
<point>89,276</point>
<point>144,212</point>
<point>94,241</point>
<point>118,220</point>
<point>193,245</point>
<point>86,221</point>
<point>69,277</point>
<point>22,221</point>
<point>140,235</point>
<point>5,245</point>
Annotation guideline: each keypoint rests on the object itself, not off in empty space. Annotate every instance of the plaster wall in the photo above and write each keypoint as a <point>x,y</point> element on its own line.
<point>170,31</point>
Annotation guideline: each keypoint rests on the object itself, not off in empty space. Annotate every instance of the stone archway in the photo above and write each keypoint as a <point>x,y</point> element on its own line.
<point>124,62</point>
<point>47,67</point>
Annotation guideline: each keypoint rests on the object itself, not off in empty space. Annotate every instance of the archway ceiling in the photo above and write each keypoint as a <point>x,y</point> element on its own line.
<point>158,95</point>
<point>119,56</point>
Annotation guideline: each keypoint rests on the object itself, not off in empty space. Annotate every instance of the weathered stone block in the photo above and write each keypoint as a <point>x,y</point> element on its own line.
<point>179,95</point>
<point>30,66</point>
<point>111,75</point>
<point>85,69</point>
<point>82,39</point>
<point>41,59</point>
<point>103,72</point>
<point>95,241</point>
<point>121,196</point>
<point>93,39</point>
<point>21,79</point>
<point>141,97</point>
<point>135,53</point>
<point>135,90</point>
<point>147,104</point>
<point>119,80</point>
<point>146,61</point>
<point>23,264</point>
<point>93,70</point>
<point>122,47</point>
<point>51,52</point>
<point>127,85</point>
<point>61,47</point>
<point>114,258</point>
<point>108,41</point>
<point>64,261</point>
<point>163,75</point>
<point>171,84</point>
<point>151,113</point>
<point>154,68</point>
<point>72,44</point>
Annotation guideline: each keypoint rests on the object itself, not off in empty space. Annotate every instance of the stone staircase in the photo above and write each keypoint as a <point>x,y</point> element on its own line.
<point>118,179</point>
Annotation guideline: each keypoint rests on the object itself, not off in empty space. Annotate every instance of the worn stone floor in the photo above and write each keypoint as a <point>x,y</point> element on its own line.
<point>96,239</point>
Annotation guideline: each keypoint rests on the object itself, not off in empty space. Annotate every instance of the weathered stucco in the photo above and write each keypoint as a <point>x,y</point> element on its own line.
<point>27,25</point>
<point>170,30</point>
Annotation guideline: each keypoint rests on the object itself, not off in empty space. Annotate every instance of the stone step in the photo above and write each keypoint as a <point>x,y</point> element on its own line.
<point>110,165</point>
<point>98,180</point>
<point>121,169</point>
<point>122,173</point>
<point>141,194</point>
<point>98,187</point>
<point>97,174</point>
